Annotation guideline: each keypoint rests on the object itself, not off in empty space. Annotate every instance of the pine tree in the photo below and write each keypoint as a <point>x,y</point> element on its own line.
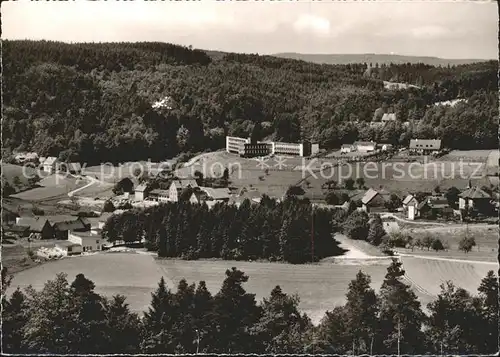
<point>123,327</point>
<point>14,318</point>
<point>401,317</point>
<point>488,291</point>
<point>158,322</point>
<point>235,312</point>
<point>202,316</point>
<point>361,309</point>
<point>281,327</point>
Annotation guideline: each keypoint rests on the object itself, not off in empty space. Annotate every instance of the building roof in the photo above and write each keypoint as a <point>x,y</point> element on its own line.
<point>184,183</point>
<point>66,243</point>
<point>74,166</point>
<point>369,195</point>
<point>425,144</point>
<point>50,160</point>
<point>364,143</point>
<point>217,193</point>
<point>474,193</point>
<point>389,117</point>
<point>35,224</point>
<point>86,235</point>
<point>159,192</point>
<point>16,228</point>
<point>69,225</point>
<point>141,188</point>
<point>346,146</point>
<point>408,199</point>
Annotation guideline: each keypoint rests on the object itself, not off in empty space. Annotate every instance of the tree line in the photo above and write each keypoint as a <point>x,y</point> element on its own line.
<point>271,230</point>
<point>66,318</point>
<point>88,102</point>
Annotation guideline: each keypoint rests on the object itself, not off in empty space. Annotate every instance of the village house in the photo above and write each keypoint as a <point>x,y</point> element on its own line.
<point>373,201</point>
<point>346,148</point>
<point>50,164</point>
<point>476,199</point>
<point>68,248</point>
<point>177,186</point>
<point>217,194</point>
<point>63,224</point>
<point>75,168</point>
<point>386,147</point>
<point>424,146</point>
<point>198,197</point>
<point>365,146</point>
<point>141,192</point>
<point>434,206</point>
<point>159,195</point>
<point>40,227</point>
<point>387,117</point>
<point>89,241</point>
<point>410,204</point>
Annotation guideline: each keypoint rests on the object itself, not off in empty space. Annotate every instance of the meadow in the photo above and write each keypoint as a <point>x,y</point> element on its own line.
<point>320,286</point>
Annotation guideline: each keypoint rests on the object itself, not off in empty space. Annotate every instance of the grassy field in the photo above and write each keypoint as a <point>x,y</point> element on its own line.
<point>428,274</point>
<point>486,241</point>
<point>320,286</point>
<point>397,177</point>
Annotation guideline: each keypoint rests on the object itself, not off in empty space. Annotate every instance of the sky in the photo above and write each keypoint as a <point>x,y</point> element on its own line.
<point>465,29</point>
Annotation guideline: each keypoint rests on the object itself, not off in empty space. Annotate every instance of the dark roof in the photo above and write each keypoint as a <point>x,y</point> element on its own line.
<point>474,193</point>
<point>35,224</point>
<point>74,166</point>
<point>425,144</point>
<point>69,225</point>
<point>16,228</point>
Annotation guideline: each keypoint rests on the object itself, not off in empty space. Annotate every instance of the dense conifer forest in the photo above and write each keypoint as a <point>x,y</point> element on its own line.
<point>94,102</point>
<point>275,231</point>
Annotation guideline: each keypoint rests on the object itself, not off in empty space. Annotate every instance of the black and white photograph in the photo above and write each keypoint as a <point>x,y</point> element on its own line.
<point>250,177</point>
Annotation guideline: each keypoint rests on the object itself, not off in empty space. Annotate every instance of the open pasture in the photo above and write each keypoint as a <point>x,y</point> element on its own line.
<point>320,286</point>
<point>429,274</point>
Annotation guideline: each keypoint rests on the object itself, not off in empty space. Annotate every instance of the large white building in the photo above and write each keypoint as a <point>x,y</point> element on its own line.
<point>244,147</point>
<point>235,145</point>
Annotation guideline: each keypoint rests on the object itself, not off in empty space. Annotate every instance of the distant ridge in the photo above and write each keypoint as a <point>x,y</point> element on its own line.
<point>375,58</point>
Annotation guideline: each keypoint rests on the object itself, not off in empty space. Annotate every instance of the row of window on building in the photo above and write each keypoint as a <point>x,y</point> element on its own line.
<point>246,148</point>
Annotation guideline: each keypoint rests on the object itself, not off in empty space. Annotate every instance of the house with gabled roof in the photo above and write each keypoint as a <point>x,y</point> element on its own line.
<point>387,117</point>
<point>365,146</point>
<point>372,200</point>
<point>475,198</point>
<point>40,226</point>
<point>177,186</point>
<point>50,164</point>
<point>425,146</point>
<point>141,191</point>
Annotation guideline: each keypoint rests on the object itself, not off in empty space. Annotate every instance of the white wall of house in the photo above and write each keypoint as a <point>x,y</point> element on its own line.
<point>89,243</point>
<point>411,212</point>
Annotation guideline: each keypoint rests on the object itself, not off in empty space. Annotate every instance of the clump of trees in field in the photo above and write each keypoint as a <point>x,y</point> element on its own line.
<point>65,318</point>
<point>276,231</point>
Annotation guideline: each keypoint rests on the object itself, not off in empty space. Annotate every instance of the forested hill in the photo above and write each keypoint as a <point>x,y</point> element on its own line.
<point>95,102</point>
<point>374,58</point>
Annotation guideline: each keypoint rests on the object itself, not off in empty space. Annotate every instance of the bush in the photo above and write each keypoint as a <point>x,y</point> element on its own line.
<point>108,206</point>
<point>437,245</point>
